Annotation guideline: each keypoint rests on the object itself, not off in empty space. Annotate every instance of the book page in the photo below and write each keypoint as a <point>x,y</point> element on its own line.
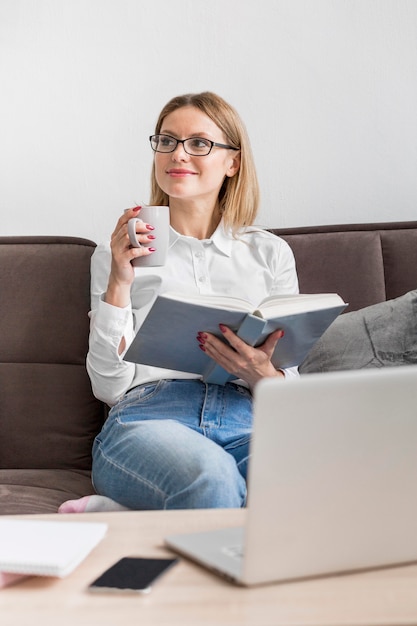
<point>211,300</point>
<point>275,306</point>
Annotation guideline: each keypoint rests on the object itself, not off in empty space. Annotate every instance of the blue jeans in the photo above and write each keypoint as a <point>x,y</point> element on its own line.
<point>176,444</point>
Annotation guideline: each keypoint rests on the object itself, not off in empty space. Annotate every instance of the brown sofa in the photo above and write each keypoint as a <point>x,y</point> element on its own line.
<point>48,415</point>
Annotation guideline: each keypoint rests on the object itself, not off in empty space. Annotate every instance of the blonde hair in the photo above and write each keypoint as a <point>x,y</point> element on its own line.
<point>239,195</point>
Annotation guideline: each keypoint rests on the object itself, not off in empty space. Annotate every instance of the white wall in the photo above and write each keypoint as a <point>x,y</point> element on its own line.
<point>327,88</point>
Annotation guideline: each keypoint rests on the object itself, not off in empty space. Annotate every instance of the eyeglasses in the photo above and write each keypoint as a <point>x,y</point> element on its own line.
<point>195,146</point>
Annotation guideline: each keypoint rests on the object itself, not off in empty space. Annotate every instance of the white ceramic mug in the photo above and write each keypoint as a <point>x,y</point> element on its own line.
<point>158,217</point>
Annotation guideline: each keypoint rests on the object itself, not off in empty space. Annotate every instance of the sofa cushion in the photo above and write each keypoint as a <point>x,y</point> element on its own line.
<point>48,416</point>
<point>323,258</point>
<point>383,334</point>
<point>364,263</point>
<point>48,413</point>
<point>45,299</point>
<point>34,491</point>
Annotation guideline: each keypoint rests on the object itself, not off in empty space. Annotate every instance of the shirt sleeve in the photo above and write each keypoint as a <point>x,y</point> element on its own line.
<point>110,375</point>
<point>291,372</point>
<point>287,282</point>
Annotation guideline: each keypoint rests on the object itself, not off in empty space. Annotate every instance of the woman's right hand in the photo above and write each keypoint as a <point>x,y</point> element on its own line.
<point>122,272</point>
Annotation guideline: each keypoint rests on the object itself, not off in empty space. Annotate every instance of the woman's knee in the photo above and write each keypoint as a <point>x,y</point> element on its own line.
<point>217,482</point>
<point>163,464</point>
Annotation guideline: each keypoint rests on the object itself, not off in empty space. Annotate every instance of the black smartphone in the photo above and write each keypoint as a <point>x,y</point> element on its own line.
<point>131,574</point>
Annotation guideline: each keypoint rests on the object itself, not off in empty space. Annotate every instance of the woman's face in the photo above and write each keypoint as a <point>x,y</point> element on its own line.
<point>186,177</point>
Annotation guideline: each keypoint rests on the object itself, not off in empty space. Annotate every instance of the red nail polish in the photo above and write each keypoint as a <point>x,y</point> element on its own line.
<point>152,249</point>
<point>223,328</point>
<point>151,237</point>
<point>202,347</point>
<point>136,209</point>
<point>149,227</point>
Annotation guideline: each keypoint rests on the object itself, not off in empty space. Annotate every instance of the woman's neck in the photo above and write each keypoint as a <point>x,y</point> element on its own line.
<point>195,220</point>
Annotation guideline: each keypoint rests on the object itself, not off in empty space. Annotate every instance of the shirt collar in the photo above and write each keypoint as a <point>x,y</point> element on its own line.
<point>221,238</point>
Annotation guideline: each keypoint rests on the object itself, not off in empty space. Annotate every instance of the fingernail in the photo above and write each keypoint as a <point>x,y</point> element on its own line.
<point>202,347</point>
<point>149,227</point>
<point>152,249</point>
<point>136,209</point>
<point>151,237</point>
<point>223,328</point>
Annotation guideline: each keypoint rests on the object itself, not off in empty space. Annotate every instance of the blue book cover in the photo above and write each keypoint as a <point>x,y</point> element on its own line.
<point>168,336</point>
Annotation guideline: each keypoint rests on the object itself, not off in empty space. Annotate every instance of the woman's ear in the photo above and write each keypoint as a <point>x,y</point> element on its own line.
<point>234,165</point>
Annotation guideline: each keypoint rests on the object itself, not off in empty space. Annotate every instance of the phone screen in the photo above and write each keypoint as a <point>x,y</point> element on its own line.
<point>131,574</point>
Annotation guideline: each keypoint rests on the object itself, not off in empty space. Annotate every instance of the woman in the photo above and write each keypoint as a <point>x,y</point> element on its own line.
<point>172,441</point>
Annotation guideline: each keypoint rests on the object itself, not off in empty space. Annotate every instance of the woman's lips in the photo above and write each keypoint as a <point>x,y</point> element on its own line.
<point>180,173</point>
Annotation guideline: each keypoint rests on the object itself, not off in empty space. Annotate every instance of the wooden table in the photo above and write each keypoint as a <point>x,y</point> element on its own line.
<point>188,595</point>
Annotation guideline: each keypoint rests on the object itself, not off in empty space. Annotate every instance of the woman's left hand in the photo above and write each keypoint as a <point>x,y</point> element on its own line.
<point>236,357</point>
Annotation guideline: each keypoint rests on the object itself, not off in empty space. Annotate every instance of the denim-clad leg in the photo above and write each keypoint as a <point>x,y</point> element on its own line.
<point>175,445</point>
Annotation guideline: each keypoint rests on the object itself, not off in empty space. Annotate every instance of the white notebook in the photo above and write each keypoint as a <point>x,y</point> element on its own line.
<point>46,548</point>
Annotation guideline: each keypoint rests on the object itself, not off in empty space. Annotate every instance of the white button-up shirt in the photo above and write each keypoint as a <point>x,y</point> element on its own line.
<point>251,265</point>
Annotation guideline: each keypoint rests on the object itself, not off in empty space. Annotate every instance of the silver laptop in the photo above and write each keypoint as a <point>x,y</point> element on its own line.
<point>332,480</point>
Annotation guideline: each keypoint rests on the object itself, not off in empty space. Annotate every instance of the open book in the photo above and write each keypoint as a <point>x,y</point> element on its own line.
<point>44,547</point>
<point>167,337</point>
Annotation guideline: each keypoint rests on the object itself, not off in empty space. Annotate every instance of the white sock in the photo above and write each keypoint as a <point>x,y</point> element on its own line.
<point>91,504</point>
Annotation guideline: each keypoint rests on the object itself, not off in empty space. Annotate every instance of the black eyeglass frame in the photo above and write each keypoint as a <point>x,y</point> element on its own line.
<point>213,144</point>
